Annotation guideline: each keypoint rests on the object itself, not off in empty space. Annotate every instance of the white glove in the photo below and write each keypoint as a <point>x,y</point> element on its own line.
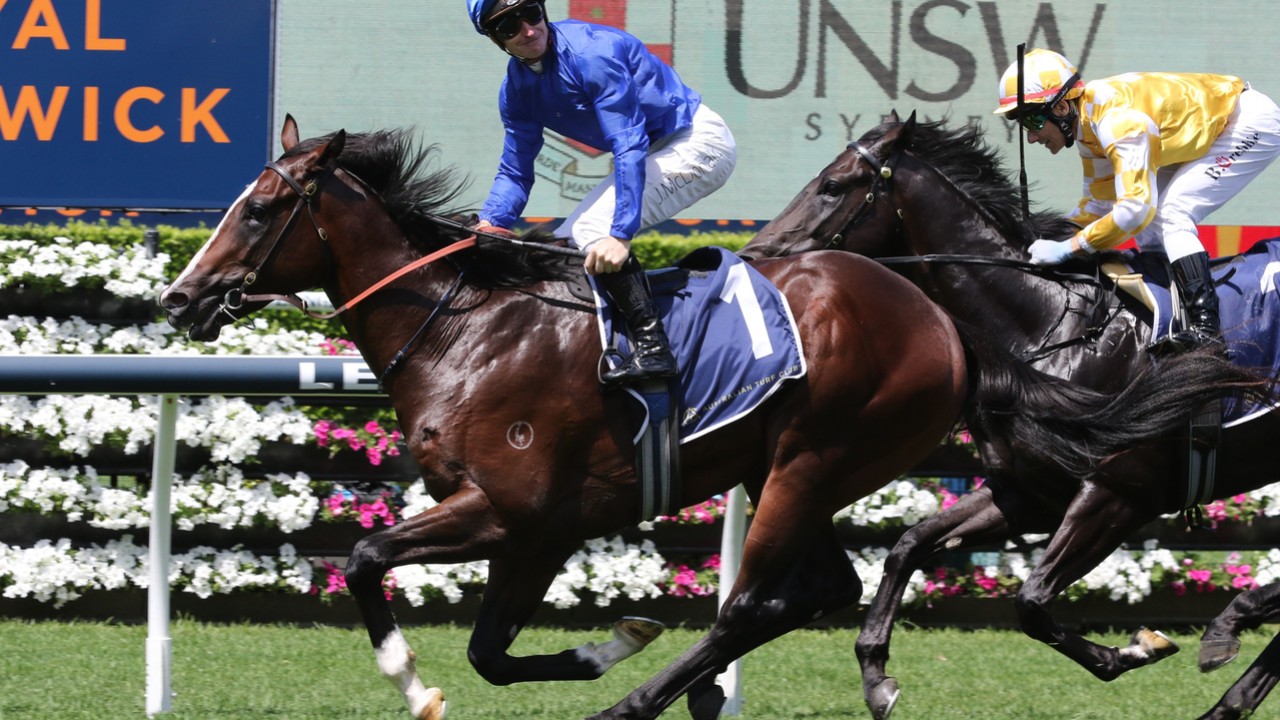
<point>1051,252</point>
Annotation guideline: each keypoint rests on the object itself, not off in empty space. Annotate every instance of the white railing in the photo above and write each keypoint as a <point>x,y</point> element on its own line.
<point>173,376</point>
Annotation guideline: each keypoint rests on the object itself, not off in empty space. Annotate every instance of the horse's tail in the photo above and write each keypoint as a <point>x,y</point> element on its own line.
<point>1075,428</point>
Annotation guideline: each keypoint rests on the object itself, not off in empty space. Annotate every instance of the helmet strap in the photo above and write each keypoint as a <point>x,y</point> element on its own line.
<point>1066,124</point>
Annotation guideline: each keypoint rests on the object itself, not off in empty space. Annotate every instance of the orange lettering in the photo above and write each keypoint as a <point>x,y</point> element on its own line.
<point>90,114</point>
<point>93,39</point>
<point>126,126</point>
<point>202,114</point>
<point>31,27</point>
<point>28,105</point>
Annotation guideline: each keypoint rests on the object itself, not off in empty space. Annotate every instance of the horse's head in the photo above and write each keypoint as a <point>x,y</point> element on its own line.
<point>853,193</point>
<point>269,241</point>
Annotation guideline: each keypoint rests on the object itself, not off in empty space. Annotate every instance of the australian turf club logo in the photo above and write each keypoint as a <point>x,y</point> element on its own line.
<point>576,168</point>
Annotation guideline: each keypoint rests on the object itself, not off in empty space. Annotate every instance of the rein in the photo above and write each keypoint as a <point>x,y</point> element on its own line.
<point>884,176</point>
<point>235,299</point>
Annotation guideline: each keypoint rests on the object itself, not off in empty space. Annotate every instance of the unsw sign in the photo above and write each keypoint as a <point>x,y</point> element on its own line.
<point>136,104</point>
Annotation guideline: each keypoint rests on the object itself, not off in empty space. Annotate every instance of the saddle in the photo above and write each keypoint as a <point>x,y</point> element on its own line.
<point>735,341</point>
<point>1249,307</point>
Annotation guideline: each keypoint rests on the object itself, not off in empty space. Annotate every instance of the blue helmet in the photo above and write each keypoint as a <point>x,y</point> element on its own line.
<point>480,10</point>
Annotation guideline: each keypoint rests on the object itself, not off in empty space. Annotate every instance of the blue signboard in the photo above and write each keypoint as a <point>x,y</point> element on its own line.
<point>133,103</point>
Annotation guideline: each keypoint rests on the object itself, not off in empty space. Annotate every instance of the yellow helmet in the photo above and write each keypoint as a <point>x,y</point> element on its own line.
<point>1049,77</point>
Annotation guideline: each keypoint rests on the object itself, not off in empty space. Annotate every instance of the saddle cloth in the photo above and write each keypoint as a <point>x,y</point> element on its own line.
<point>1249,307</point>
<point>732,333</point>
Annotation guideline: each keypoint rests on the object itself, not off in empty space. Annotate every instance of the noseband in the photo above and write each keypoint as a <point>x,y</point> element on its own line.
<point>884,173</point>
<point>236,298</point>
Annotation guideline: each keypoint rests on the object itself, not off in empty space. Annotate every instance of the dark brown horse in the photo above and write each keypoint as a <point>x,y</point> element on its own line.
<point>486,338</point>
<point>938,201</point>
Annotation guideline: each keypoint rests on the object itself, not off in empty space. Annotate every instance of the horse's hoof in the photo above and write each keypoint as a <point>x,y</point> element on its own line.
<point>435,706</point>
<point>638,630</point>
<point>883,697</point>
<point>707,704</point>
<point>1216,653</point>
<point>1152,645</point>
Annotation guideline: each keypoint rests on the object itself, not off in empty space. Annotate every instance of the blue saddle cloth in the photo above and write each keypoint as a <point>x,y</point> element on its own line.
<point>732,333</point>
<point>1249,307</point>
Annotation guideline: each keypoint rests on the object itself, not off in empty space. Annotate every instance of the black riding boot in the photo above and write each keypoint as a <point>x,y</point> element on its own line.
<point>651,357</point>
<point>1199,301</point>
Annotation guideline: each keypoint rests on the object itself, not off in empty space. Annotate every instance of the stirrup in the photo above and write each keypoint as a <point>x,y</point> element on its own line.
<point>632,370</point>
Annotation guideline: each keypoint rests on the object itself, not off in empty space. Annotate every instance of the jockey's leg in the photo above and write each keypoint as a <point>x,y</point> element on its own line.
<point>651,356</point>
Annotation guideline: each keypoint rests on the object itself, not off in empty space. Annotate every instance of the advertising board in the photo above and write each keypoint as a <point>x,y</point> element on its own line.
<point>137,104</point>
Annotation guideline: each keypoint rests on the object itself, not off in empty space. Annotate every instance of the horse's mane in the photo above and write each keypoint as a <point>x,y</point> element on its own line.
<point>415,194</point>
<point>965,157</point>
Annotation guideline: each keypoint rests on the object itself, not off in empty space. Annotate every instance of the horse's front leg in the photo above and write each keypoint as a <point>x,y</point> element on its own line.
<point>974,520</point>
<point>1221,640</point>
<point>515,589</point>
<point>461,529</point>
<point>1251,689</point>
<point>1096,522</point>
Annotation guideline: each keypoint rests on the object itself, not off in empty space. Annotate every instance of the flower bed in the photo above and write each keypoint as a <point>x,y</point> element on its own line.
<point>249,522</point>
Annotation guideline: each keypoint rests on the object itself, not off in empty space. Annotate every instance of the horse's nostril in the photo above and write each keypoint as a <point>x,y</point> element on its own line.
<point>170,300</point>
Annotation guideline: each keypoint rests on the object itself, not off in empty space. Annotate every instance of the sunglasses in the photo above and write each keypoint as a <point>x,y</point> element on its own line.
<point>1033,121</point>
<point>511,23</point>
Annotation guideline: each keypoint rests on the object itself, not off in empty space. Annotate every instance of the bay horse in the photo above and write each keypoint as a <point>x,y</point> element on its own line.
<point>937,203</point>
<point>477,339</point>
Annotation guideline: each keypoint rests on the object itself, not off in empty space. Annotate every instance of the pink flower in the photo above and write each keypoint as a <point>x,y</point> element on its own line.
<point>984,582</point>
<point>336,582</point>
<point>948,498</point>
<point>1200,576</point>
<point>335,504</point>
<point>321,429</point>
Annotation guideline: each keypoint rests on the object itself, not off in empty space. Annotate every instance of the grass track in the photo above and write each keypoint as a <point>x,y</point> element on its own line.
<point>94,671</point>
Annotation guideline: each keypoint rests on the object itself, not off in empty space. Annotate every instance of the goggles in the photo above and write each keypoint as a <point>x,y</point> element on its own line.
<point>511,23</point>
<point>1033,117</point>
<point>1032,120</point>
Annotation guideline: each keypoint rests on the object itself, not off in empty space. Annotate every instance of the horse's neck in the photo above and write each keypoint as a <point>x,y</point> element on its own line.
<point>383,322</point>
<point>1028,310</point>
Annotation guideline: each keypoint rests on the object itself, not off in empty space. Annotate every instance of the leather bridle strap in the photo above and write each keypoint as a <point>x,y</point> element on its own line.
<point>306,196</point>
<point>884,172</point>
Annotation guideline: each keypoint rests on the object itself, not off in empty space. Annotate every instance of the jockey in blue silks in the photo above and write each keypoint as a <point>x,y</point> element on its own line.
<point>602,87</point>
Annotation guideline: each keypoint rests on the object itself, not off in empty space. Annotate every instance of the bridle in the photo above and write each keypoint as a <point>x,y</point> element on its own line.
<point>307,195</point>
<point>880,184</point>
<point>884,173</point>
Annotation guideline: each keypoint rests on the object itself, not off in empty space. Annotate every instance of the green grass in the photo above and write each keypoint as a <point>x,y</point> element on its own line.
<point>80,671</point>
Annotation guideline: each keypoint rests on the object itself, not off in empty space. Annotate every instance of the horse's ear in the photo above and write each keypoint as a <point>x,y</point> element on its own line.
<point>333,148</point>
<point>908,128</point>
<point>289,134</point>
<point>893,116</point>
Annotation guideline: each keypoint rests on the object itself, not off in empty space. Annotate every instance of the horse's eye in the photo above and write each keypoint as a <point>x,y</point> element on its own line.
<point>830,187</point>
<point>255,213</point>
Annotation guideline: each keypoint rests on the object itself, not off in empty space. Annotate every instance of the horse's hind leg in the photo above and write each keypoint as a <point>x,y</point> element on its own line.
<point>1096,522</point>
<point>788,578</point>
<point>1251,689</point>
<point>1221,640</point>
<point>513,593</point>
<point>973,520</point>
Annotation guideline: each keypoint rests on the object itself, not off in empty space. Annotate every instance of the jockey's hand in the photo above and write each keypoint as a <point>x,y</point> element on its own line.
<point>485,226</point>
<point>606,256</point>
<point>1051,252</point>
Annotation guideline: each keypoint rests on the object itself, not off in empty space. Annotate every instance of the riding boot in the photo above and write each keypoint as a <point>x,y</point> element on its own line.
<point>651,357</point>
<point>1199,301</point>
